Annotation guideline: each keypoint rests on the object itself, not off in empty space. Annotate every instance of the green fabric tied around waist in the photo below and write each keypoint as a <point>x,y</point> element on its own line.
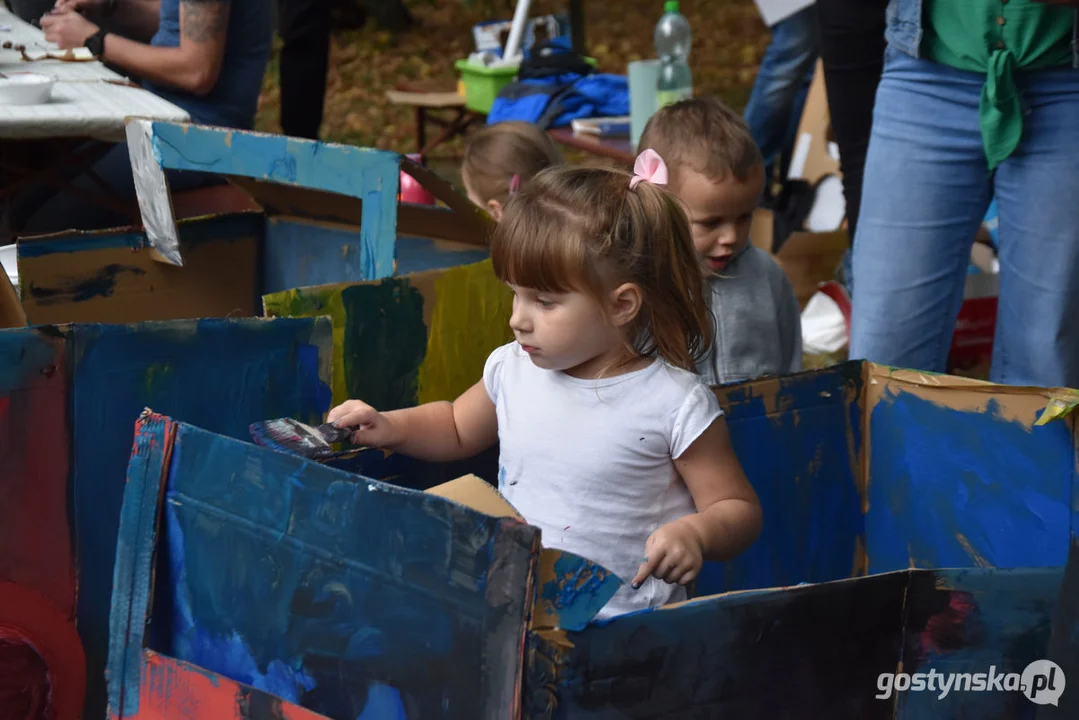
<point>999,39</point>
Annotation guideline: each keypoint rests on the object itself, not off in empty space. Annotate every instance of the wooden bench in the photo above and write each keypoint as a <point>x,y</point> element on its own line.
<point>429,99</point>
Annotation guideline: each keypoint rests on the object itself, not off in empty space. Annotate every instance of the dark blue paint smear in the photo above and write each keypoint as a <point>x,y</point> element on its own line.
<point>417,254</point>
<point>799,461</point>
<point>98,284</point>
<point>824,644</point>
<point>938,473</point>
<point>222,374</point>
<point>331,590</point>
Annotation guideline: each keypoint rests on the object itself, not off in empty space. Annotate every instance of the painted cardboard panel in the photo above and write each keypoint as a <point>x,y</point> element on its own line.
<point>826,645</point>
<point>409,339</point>
<point>292,177</point>
<point>35,539</point>
<point>224,374</point>
<point>113,277</point>
<point>810,492</point>
<point>961,475</point>
<point>347,596</point>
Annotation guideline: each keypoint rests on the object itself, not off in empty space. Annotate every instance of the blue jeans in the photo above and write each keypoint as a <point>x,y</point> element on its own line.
<point>775,104</point>
<point>926,190</point>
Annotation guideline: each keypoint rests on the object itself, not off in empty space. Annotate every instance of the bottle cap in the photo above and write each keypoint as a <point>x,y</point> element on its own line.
<point>670,6</point>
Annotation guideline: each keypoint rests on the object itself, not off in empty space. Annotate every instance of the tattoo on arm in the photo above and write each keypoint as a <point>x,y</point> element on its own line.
<point>204,20</point>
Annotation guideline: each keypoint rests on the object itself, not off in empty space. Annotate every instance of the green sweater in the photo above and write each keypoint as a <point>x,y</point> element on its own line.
<point>998,37</point>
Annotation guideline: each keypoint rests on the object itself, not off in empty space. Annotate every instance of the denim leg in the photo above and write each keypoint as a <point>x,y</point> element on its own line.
<point>1037,335</point>
<point>926,190</point>
<point>787,63</point>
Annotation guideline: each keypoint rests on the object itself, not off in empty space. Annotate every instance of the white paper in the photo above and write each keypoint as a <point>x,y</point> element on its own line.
<point>772,11</point>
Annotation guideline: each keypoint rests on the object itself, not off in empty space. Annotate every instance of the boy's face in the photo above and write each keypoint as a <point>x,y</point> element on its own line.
<point>719,212</point>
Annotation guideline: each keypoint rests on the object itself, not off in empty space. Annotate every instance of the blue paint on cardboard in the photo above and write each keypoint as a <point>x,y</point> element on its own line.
<point>958,488</point>
<point>224,374</point>
<point>220,227</point>
<point>797,439</point>
<point>321,587</point>
<point>367,174</point>
<point>419,254</point>
<point>383,703</point>
<point>20,350</point>
<point>301,254</point>
<point>131,576</point>
<point>580,590</point>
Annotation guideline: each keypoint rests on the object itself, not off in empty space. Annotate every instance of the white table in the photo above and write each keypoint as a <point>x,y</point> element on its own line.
<point>88,100</point>
<point>86,114</point>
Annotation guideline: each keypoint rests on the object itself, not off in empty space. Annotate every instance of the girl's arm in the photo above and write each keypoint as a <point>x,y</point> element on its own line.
<point>438,431</point>
<point>728,517</point>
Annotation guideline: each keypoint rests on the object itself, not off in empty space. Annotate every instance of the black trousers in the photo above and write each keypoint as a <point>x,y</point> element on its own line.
<point>304,27</point>
<point>852,51</point>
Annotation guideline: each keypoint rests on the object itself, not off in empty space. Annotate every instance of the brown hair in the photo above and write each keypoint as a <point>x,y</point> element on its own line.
<point>582,229</point>
<point>704,135</point>
<point>498,152</point>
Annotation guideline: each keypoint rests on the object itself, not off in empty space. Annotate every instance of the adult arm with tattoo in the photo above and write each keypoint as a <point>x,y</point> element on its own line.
<point>194,66</point>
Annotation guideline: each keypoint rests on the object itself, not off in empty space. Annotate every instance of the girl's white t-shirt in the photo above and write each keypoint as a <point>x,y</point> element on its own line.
<point>590,462</point>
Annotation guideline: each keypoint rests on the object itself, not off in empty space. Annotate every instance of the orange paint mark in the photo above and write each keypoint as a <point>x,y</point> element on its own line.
<point>175,690</point>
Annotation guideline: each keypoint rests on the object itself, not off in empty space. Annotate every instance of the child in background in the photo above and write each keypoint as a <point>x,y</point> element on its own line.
<point>499,152</point>
<point>608,442</point>
<point>718,174</point>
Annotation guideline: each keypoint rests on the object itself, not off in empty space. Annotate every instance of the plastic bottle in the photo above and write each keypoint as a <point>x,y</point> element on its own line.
<point>673,39</point>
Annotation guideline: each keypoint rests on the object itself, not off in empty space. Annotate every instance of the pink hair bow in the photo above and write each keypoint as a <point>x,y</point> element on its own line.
<point>515,184</point>
<point>649,167</point>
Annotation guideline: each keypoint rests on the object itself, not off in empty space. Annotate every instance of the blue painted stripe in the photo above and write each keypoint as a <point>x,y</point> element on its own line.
<point>133,569</point>
<point>193,232</point>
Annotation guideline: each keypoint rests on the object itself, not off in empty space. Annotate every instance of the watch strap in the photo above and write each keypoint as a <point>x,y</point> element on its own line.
<point>96,43</point>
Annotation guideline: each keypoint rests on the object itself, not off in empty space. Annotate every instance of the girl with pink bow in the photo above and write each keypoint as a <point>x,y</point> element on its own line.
<point>608,442</point>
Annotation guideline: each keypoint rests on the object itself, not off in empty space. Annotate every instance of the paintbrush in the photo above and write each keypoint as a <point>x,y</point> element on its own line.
<point>288,435</point>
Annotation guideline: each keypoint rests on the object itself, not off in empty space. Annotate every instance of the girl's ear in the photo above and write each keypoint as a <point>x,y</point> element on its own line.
<point>495,208</point>
<point>625,304</point>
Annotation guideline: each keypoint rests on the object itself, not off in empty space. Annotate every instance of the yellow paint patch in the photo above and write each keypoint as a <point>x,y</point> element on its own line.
<point>470,318</point>
<point>979,561</point>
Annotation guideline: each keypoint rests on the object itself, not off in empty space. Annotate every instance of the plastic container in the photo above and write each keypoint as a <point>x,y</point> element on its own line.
<point>25,88</point>
<point>482,84</point>
<point>673,39</point>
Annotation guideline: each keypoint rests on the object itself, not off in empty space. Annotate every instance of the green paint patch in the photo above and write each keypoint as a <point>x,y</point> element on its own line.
<point>379,338</point>
<point>385,341</point>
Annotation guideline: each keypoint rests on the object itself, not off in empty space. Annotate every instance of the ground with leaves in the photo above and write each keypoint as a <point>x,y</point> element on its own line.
<point>728,39</point>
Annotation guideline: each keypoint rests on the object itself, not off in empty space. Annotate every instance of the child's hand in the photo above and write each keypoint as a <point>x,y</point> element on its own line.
<point>373,428</point>
<point>674,553</point>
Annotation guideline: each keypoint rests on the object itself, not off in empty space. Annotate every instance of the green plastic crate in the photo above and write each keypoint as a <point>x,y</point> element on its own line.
<point>482,84</point>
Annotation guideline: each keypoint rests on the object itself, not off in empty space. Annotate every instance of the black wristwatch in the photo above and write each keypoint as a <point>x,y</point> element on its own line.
<point>96,43</point>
